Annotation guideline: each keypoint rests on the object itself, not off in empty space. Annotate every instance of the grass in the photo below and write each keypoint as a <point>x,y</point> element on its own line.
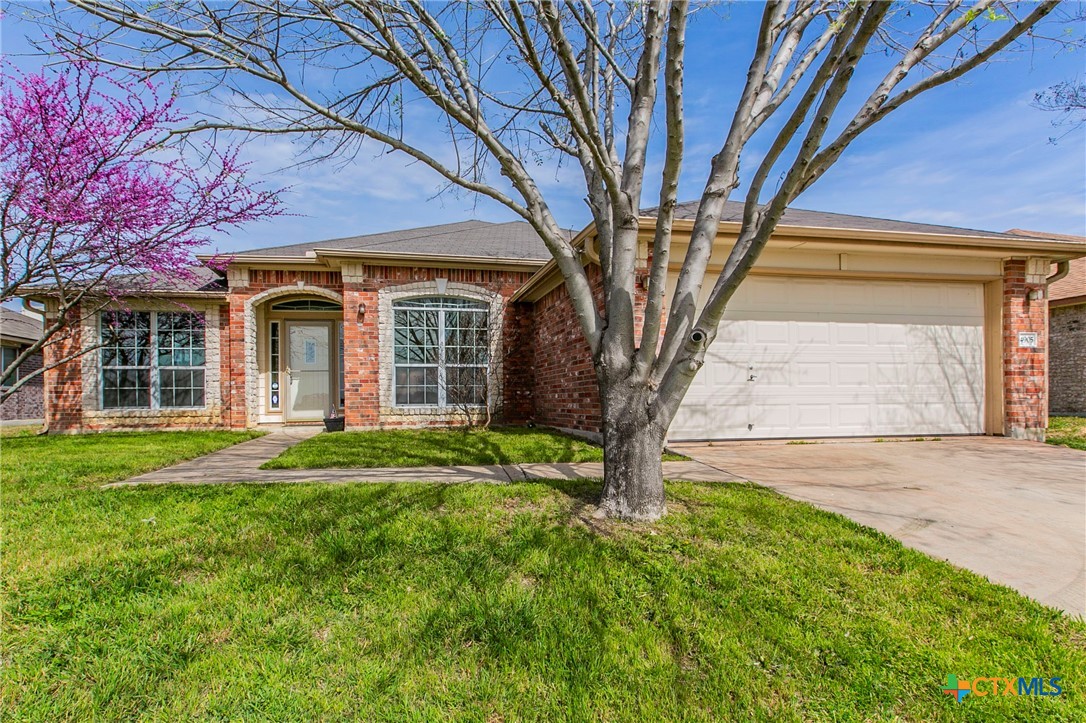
<point>480,602</point>
<point>439,448</point>
<point>1067,431</point>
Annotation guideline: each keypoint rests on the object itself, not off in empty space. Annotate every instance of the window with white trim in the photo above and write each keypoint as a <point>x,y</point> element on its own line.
<point>8,355</point>
<point>440,351</point>
<point>152,360</point>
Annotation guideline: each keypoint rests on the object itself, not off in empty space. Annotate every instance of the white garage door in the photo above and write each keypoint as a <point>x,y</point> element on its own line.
<point>837,358</point>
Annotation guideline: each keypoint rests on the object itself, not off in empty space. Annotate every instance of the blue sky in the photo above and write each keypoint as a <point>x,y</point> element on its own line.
<point>974,154</point>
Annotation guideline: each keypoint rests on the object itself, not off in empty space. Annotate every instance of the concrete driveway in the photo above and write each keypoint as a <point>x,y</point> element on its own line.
<point>1012,511</point>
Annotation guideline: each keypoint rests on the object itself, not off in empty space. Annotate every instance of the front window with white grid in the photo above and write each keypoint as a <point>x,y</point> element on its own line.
<point>152,360</point>
<point>441,352</point>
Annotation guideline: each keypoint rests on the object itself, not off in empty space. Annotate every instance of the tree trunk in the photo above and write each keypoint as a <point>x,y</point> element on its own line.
<point>633,478</point>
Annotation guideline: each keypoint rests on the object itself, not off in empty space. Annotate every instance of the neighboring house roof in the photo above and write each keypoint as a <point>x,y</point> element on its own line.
<point>198,281</point>
<point>469,239</point>
<point>733,212</point>
<point>1074,284</point>
<point>16,326</point>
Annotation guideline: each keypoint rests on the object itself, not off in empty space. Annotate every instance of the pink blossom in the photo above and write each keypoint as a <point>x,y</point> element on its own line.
<point>91,195</point>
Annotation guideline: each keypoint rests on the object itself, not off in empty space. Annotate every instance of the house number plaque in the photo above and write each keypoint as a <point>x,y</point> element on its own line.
<point>1027,339</point>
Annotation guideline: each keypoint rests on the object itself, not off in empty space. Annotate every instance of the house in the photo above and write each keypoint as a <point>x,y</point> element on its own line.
<point>1067,342</point>
<point>19,330</point>
<point>847,326</point>
<point>1067,334</point>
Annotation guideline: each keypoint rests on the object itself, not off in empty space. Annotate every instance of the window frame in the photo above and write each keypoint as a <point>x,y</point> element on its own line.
<point>153,367</point>
<point>275,354</point>
<point>474,306</point>
<point>16,374</point>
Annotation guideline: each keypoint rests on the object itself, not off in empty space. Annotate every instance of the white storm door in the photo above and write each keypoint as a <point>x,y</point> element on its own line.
<point>309,370</point>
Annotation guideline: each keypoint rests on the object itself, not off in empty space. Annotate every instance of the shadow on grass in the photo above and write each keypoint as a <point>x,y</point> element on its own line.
<point>435,447</point>
<point>431,601</point>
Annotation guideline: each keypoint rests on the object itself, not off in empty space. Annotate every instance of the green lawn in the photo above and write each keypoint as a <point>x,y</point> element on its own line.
<point>1068,431</point>
<point>438,448</point>
<point>479,602</point>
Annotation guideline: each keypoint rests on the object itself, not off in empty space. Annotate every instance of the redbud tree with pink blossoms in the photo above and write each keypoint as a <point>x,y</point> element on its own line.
<point>96,207</point>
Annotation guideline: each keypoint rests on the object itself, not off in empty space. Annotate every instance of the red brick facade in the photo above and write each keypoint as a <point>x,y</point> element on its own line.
<point>564,390</point>
<point>63,383</point>
<point>547,371</point>
<point>361,334</point>
<point>1025,406</point>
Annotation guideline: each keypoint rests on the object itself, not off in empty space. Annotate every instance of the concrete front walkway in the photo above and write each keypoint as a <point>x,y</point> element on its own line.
<point>241,464</point>
<point>1012,511</point>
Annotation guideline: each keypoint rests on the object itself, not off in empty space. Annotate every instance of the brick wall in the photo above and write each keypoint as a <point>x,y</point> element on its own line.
<point>378,286</point>
<point>1067,359</point>
<point>63,383</point>
<point>1025,405</point>
<point>28,401</point>
<point>564,388</point>
<point>519,362</point>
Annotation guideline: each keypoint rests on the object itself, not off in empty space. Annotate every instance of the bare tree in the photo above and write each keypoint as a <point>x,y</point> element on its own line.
<point>513,81</point>
<point>1068,99</point>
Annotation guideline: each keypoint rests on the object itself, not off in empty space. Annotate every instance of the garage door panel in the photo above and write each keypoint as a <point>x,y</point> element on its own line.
<point>853,374</point>
<point>908,361</point>
<point>891,335</point>
<point>771,333</point>
<point>814,374</point>
<point>813,415</point>
<point>811,333</point>
<point>847,334</point>
<point>854,418</point>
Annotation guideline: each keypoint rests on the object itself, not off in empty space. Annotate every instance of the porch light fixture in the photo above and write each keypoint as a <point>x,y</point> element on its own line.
<point>361,310</point>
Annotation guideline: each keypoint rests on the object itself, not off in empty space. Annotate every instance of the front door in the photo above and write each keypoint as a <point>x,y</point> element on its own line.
<point>309,370</point>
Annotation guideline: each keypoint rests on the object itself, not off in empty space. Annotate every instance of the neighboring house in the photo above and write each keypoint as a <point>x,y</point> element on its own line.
<point>847,326</point>
<point>17,332</point>
<point>1067,342</point>
<point>1067,333</point>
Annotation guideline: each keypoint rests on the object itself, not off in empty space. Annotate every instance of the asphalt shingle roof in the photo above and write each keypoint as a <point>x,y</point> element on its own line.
<point>481,239</point>
<point>1074,284</point>
<point>733,211</point>
<point>15,325</point>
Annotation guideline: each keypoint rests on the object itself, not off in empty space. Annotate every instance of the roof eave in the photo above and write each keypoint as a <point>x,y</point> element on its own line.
<point>166,294</point>
<point>8,336</point>
<point>1015,245</point>
<point>258,259</point>
<point>1068,301</point>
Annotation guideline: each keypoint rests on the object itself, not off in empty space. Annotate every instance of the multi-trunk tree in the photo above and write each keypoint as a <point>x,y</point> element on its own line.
<point>94,207</point>
<point>485,92</point>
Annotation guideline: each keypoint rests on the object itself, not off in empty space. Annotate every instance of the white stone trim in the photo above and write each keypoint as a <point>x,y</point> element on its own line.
<point>237,276</point>
<point>252,372</point>
<point>386,297</point>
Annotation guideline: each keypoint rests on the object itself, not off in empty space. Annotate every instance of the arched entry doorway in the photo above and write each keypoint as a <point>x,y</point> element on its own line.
<point>299,356</point>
